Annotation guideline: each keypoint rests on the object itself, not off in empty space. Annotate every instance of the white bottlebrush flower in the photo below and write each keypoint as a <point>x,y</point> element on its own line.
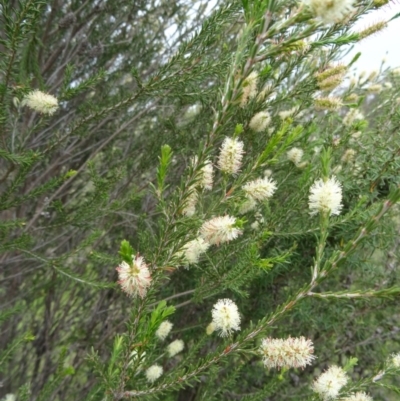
<point>330,103</point>
<point>396,360</point>
<point>284,114</point>
<point>231,155</point>
<point>326,196</point>
<point>9,397</point>
<point>287,353</point>
<point>153,373</point>
<point>225,316</point>
<point>248,205</point>
<point>219,230</point>
<point>205,177</point>
<point>207,170</point>
<point>175,347</point>
<point>260,121</point>
<point>249,88</point>
<point>295,155</point>
<point>377,88</point>
<point>331,71</point>
<point>372,75</point>
<point>260,189</point>
<point>133,359</point>
<point>135,278</point>
<point>255,225</point>
<point>267,173</point>
<point>194,249</point>
<point>332,11</point>
<point>164,329</point>
<point>331,82</point>
<point>329,383</point>
<point>210,328</point>
<point>189,208</point>
<point>41,102</point>
<point>348,156</point>
<point>359,396</point>
<point>396,72</point>
<point>352,116</point>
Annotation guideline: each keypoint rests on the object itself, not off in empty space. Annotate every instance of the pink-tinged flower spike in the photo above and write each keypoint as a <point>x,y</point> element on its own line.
<point>134,279</point>
<point>219,230</point>
<point>287,353</point>
<point>231,155</point>
<point>41,102</point>
<point>359,396</point>
<point>326,196</point>
<point>225,316</point>
<point>260,189</point>
<point>329,384</point>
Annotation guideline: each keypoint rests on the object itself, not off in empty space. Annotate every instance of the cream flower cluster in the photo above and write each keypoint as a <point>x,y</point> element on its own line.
<point>189,208</point>
<point>219,230</point>
<point>359,396</point>
<point>248,205</point>
<point>330,103</point>
<point>210,328</point>
<point>231,155</point>
<point>153,373</point>
<point>134,278</point>
<point>332,11</point>
<point>348,156</point>
<point>295,155</point>
<point>284,114</point>
<point>396,360</point>
<point>260,189</point>
<point>205,181</point>
<point>225,317</point>
<point>164,329</point>
<point>287,353</point>
<point>326,196</point>
<point>249,88</point>
<point>352,116</point>
<point>260,121</point>
<point>206,174</point>
<point>41,102</point>
<point>194,249</point>
<point>331,77</point>
<point>329,383</point>
<point>175,348</point>
<point>207,170</point>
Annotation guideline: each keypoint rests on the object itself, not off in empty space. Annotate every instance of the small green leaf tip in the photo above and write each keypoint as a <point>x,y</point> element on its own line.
<point>126,251</point>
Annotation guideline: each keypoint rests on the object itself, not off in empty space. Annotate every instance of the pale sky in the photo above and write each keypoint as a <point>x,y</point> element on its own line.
<point>385,44</point>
